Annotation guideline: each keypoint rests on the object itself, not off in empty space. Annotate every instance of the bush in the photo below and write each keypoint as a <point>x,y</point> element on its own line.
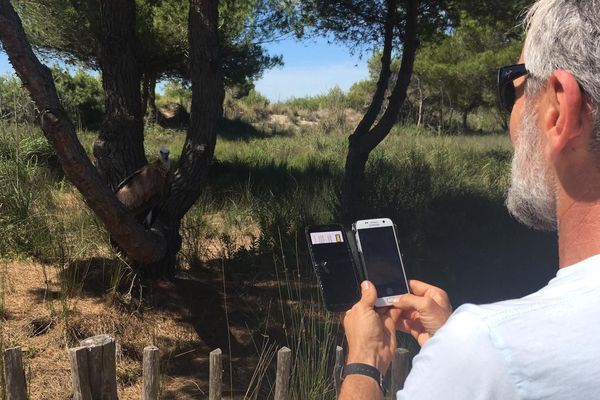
<point>177,92</point>
<point>255,99</point>
<point>82,97</point>
<point>15,104</point>
<point>24,230</point>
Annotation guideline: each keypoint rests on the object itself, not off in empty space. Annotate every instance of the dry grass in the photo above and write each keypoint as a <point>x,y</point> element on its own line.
<point>44,324</point>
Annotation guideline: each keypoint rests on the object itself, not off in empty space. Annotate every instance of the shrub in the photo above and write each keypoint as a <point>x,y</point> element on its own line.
<point>15,104</point>
<point>82,97</point>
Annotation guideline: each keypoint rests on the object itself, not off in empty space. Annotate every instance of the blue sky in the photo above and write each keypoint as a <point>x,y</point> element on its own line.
<point>311,67</point>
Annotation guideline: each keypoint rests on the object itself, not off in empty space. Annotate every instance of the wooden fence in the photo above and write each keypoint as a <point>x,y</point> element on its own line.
<point>94,377</point>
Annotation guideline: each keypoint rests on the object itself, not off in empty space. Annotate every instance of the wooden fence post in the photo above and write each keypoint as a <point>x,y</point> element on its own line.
<point>14,375</point>
<point>102,366</point>
<point>80,373</point>
<point>151,374</point>
<point>94,369</point>
<point>337,367</point>
<point>215,379</point>
<point>284,369</point>
<point>399,370</point>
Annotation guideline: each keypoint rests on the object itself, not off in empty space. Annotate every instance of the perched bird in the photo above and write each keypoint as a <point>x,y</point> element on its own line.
<point>147,187</point>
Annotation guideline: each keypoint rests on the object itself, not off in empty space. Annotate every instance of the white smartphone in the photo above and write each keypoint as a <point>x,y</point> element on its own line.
<point>377,244</point>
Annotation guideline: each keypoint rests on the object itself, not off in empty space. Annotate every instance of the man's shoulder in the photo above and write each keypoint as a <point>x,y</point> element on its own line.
<point>575,290</point>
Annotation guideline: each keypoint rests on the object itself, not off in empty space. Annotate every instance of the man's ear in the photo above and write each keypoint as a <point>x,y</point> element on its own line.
<point>564,111</point>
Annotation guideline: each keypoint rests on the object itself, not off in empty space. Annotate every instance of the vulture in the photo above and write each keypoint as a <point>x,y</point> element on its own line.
<point>145,189</point>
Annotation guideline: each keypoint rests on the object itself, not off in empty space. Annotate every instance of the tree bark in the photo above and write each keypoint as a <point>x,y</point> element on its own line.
<point>149,97</point>
<point>208,92</point>
<point>141,245</point>
<point>119,149</point>
<point>366,136</point>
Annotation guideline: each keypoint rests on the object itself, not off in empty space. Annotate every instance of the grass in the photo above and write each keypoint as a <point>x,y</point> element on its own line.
<point>243,238</point>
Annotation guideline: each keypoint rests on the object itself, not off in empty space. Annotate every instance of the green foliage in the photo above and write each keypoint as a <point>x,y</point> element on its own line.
<point>461,67</point>
<point>178,92</point>
<point>24,230</point>
<point>81,95</point>
<point>255,98</point>
<point>454,75</point>
<point>335,98</point>
<point>359,23</point>
<point>70,30</point>
<point>15,104</point>
<point>504,13</point>
<point>360,94</point>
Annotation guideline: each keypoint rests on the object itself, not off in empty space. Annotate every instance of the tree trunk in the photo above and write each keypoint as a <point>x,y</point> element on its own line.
<point>149,97</point>
<point>420,112</point>
<point>119,149</point>
<point>366,136</point>
<point>158,246</point>
<point>208,93</point>
<point>465,116</point>
<point>353,190</point>
<point>37,79</point>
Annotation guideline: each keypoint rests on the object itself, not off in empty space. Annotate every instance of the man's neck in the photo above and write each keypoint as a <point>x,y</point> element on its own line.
<point>578,232</point>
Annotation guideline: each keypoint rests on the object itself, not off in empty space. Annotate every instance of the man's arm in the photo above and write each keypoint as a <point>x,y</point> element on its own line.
<point>360,387</point>
<point>371,332</point>
<point>371,335</point>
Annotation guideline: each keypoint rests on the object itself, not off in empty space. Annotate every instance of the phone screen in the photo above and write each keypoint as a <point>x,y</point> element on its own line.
<point>334,265</point>
<point>382,260</point>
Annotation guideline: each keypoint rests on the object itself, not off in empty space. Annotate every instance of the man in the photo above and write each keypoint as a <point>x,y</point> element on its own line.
<point>542,346</point>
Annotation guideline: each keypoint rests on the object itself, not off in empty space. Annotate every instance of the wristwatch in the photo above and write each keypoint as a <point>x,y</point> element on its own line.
<point>366,370</point>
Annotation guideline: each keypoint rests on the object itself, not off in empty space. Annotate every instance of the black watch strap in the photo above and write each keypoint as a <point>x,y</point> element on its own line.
<point>364,369</point>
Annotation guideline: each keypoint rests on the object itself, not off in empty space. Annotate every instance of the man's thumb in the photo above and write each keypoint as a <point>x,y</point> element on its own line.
<point>369,293</point>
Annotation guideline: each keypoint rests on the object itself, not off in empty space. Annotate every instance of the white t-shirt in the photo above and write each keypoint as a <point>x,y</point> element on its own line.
<point>543,346</point>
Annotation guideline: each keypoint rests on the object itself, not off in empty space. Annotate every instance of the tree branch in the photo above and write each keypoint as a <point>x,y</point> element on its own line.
<point>410,44</point>
<point>374,109</point>
<point>140,245</point>
<point>208,93</point>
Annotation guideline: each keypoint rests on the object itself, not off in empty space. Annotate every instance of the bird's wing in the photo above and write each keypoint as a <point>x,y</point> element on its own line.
<point>129,178</point>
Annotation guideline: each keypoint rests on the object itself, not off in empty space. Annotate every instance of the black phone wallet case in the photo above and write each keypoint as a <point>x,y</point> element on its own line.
<point>332,285</point>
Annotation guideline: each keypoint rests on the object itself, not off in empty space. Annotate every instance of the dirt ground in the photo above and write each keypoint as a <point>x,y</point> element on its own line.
<point>185,318</point>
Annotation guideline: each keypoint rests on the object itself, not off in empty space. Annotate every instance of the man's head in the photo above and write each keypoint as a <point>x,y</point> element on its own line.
<point>552,122</point>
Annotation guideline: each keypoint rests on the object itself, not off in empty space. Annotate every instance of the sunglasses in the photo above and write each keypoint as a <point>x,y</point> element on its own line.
<point>506,88</point>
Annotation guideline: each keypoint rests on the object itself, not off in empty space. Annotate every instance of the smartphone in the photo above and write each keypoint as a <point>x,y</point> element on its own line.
<point>334,266</point>
<point>377,244</point>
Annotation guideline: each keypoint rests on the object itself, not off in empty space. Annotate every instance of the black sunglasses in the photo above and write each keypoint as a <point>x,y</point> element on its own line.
<point>506,89</point>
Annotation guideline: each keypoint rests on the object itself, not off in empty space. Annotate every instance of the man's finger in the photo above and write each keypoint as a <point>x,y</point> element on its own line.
<point>420,288</point>
<point>410,301</point>
<point>369,294</point>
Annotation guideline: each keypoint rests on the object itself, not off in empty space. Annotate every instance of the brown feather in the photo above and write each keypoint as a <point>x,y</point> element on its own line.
<point>144,190</point>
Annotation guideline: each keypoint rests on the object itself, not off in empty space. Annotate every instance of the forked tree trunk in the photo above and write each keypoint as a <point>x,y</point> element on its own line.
<point>158,246</point>
<point>119,149</point>
<point>140,245</point>
<point>208,92</point>
<point>369,134</point>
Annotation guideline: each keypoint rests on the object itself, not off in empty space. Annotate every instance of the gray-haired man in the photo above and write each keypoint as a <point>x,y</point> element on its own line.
<point>542,346</point>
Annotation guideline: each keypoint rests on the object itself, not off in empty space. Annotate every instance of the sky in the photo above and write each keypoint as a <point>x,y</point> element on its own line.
<point>311,67</point>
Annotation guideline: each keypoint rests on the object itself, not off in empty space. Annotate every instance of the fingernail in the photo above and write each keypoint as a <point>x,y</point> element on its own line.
<point>364,285</point>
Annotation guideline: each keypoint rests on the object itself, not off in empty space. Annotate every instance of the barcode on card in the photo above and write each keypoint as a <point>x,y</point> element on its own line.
<point>326,237</point>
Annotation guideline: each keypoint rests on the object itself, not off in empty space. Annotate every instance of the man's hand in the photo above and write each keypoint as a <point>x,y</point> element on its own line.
<point>371,333</point>
<point>424,311</point>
